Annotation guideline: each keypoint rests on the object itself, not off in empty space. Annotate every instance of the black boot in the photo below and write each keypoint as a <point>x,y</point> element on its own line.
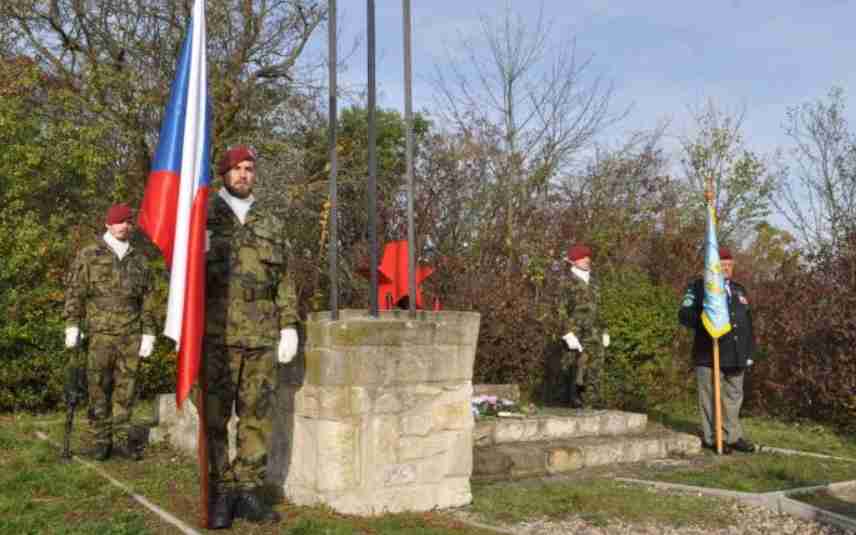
<point>101,452</point>
<point>138,437</point>
<point>220,510</point>
<point>577,397</point>
<point>250,506</point>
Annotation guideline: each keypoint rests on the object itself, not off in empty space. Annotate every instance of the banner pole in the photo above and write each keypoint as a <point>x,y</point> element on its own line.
<point>717,402</point>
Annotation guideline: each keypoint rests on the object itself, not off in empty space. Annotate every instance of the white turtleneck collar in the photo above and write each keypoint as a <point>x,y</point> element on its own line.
<point>119,247</point>
<point>240,207</point>
<point>581,273</point>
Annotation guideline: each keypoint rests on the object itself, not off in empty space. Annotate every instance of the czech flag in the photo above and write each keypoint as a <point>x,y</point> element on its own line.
<point>714,315</point>
<point>174,208</point>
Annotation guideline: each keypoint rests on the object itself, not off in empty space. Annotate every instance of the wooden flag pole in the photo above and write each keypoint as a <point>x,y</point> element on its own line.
<point>717,404</point>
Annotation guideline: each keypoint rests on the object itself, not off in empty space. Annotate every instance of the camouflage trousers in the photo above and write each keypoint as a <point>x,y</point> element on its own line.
<point>583,369</point>
<point>112,364</point>
<point>246,379</point>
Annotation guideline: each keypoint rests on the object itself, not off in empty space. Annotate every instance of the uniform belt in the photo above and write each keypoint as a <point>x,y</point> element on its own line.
<point>113,301</point>
<point>262,293</point>
<point>266,293</point>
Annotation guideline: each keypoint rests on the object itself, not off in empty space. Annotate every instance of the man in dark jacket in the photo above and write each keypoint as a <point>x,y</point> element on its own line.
<point>735,355</point>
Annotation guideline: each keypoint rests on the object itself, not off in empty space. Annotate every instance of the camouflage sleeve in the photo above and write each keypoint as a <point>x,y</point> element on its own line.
<point>286,293</point>
<point>149,303</point>
<point>76,284</point>
<point>567,308</point>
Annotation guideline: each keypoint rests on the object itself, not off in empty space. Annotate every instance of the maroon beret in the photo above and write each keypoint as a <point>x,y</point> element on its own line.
<point>233,156</point>
<point>725,254</point>
<point>118,213</point>
<point>576,252</point>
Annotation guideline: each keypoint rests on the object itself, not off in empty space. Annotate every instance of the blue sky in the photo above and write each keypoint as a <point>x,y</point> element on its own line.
<point>663,56</point>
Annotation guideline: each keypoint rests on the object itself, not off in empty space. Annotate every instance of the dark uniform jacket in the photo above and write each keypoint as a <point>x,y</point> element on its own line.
<point>105,295</point>
<point>736,346</point>
<point>250,293</point>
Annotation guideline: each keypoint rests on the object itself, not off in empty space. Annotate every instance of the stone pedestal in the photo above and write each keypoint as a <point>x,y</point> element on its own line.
<point>377,417</point>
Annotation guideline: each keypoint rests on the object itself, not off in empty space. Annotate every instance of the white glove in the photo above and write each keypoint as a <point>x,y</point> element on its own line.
<point>572,341</point>
<point>207,240</point>
<point>287,345</point>
<point>147,345</point>
<point>72,336</point>
<point>605,340</point>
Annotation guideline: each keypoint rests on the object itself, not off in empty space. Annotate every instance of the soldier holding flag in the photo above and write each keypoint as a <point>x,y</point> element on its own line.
<point>717,309</point>
<point>250,327</point>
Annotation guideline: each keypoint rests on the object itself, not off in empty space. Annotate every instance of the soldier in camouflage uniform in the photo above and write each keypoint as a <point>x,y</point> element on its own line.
<point>584,331</point>
<point>251,321</point>
<point>108,294</point>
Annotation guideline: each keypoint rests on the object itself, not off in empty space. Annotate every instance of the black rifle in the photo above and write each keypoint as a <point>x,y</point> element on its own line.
<point>75,391</point>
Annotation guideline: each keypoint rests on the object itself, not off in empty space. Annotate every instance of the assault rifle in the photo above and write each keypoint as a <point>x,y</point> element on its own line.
<point>75,392</point>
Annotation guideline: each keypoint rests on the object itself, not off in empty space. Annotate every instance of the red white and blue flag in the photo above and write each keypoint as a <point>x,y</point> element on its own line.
<point>174,208</point>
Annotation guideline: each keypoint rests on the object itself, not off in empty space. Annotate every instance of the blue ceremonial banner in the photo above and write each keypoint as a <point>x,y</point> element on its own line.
<point>715,314</point>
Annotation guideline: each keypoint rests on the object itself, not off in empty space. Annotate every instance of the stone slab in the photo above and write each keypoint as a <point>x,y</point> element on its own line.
<point>533,459</point>
<point>180,427</point>
<point>586,423</point>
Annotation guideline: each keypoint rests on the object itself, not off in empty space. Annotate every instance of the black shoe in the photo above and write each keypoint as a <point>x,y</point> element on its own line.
<point>726,449</point>
<point>220,511</point>
<point>250,506</point>
<point>101,452</point>
<point>744,446</point>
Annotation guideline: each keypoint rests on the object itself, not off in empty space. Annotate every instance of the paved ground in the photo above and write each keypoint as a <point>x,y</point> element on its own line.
<point>748,520</point>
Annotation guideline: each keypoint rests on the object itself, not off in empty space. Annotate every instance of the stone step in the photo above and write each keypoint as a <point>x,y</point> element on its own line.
<point>535,459</point>
<point>573,424</point>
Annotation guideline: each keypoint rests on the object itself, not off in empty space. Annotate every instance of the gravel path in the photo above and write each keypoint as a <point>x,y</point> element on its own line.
<point>747,520</point>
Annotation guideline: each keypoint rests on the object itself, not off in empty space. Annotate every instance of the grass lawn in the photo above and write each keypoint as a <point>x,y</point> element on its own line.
<point>39,493</point>
<point>597,501</point>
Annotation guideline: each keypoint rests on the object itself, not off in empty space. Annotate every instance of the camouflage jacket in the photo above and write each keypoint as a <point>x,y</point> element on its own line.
<point>579,308</point>
<point>110,296</point>
<point>249,290</point>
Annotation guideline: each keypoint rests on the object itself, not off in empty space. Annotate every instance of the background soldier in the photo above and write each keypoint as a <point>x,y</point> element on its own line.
<point>585,334</point>
<point>735,355</point>
<point>250,325</point>
<point>109,291</point>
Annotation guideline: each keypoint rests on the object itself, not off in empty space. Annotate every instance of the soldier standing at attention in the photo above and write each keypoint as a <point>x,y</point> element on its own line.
<point>109,295</point>
<point>251,321</point>
<point>585,334</point>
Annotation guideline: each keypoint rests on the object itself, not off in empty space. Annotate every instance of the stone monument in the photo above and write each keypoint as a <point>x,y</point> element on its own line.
<point>380,420</point>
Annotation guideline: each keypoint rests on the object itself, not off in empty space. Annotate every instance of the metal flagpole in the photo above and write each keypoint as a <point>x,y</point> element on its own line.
<point>331,136</point>
<point>408,117</point>
<point>373,261</point>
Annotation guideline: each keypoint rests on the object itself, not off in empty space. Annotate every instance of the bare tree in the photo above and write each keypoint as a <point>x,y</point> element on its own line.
<point>535,95</point>
<point>818,194</point>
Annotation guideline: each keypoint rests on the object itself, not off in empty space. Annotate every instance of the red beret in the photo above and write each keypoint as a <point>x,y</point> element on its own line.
<point>233,156</point>
<point>725,254</point>
<point>576,252</point>
<point>118,213</point>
